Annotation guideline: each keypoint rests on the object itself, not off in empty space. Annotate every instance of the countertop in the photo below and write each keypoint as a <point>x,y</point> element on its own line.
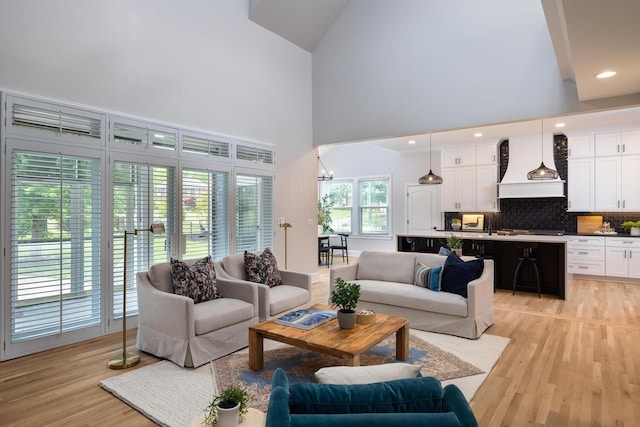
<point>477,235</point>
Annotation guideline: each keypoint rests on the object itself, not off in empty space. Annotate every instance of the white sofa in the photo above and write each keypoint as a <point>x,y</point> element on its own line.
<point>188,334</point>
<point>294,292</point>
<point>386,286</point>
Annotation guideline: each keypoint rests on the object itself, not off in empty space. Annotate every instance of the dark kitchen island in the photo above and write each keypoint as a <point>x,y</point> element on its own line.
<point>551,255</point>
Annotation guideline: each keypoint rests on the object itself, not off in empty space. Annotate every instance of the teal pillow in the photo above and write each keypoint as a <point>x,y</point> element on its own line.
<point>421,394</point>
<point>457,274</point>
<point>435,276</point>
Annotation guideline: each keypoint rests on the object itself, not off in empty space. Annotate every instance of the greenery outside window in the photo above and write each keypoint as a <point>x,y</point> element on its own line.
<point>341,194</point>
<point>374,206</point>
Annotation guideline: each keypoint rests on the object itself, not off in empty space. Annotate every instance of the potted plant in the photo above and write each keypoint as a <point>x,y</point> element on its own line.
<point>345,296</point>
<point>456,223</point>
<point>631,227</point>
<point>324,213</point>
<point>455,244</point>
<point>228,408</point>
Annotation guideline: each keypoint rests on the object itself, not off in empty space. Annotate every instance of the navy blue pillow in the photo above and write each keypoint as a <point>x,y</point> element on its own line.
<point>457,274</point>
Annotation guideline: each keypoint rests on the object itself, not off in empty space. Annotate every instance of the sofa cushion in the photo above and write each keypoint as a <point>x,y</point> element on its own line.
<point>388,266</point>
<point>414,297</point>
<point>217,314</point>
<point>366,374</point>
<point>421,394</point>
<point>457,274</point>
<point>196,281</point>
<point>262,268</point>
<point>286,297</point>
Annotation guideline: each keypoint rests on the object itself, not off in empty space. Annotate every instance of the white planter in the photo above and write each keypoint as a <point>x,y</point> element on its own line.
<point>228,417</point>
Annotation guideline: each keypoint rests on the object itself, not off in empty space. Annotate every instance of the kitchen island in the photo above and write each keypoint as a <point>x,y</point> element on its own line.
<point>551,255</point>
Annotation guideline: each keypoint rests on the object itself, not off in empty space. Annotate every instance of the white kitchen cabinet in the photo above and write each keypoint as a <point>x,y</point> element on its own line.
<point>487,154</point>
<point>608,144</point>
<point>623,257</point>
<point>586,255</point>
<point>487,188</point>
<point>465,156</point>
<point>581,146</point>
<point>616,181</point>
<point>581,186</point>
<point>630,142</point>
<point>459,189</point>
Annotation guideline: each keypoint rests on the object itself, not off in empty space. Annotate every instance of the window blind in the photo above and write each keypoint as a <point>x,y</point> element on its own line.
<point>254,154</point>
<point>205,213</point>
<point>125,133</point>
<point>254,212</point>
<point>55,244</point>
<point>205,146</point>
<point>143,194</point>
<point>52,120</point>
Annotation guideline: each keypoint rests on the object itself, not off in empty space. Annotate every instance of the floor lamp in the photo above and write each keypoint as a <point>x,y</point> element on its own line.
<point>127,360</point>
<point>286,226</point>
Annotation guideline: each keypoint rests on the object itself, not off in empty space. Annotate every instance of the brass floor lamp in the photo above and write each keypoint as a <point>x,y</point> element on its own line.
<point>127,360</point>
<point>286,226</point>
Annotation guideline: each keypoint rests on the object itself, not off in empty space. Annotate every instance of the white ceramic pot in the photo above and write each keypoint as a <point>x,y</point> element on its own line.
<point>228,417</point>
<point>457,251</point>
<point>456,226</point>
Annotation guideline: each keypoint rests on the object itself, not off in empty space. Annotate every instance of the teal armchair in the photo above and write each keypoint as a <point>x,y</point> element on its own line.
<point>403,403</point>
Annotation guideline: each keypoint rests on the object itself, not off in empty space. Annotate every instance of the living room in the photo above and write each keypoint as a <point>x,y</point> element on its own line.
<point>208,66</point>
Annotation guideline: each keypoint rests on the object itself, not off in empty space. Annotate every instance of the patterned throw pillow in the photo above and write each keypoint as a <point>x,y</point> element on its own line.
<point>196,281</point>
<point>262,268</point>
<point>427,277</point>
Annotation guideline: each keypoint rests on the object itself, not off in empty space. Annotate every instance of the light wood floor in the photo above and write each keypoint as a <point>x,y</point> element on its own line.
<point>574,363</point>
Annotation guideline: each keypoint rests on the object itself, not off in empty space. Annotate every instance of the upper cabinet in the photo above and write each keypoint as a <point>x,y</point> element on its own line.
<point>617,171</point>
<point>581,146</point>
<point>470,179</point>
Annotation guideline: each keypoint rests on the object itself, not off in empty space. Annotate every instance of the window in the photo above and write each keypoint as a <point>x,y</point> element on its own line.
<point>254,211</point>
<point>341,195</point>
<point>205,213</point>
<point>372,196</point>
<point>55,244</point>
<point>142,195</point>
<point>374,206</point>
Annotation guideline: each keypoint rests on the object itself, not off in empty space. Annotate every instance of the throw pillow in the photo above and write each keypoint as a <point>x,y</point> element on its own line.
<point>435,277</point>
<point>457,274</point>
<point>196,281</point>
<point>262,268</point>
<point>366,374</point>
<point>421,275</point>
<point>444,251</point>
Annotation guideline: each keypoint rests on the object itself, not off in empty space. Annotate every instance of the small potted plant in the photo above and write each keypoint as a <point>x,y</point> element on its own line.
<point>456,223</point>
<point>345,296</point>
<point>455,244</point>
<point>228,408</point>
<point>631,227</point>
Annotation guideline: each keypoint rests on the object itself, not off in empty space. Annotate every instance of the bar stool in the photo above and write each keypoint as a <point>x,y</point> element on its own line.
<point>526,257</point>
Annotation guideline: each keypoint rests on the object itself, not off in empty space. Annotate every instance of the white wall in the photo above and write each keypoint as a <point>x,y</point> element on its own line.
<point>389,68</point>
<point>196,63</point>
<point>365,159</point>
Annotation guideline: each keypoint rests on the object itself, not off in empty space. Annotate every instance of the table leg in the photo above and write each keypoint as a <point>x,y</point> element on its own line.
<point>352,360</point>
<point>402,343</point>
<point>256,350</point>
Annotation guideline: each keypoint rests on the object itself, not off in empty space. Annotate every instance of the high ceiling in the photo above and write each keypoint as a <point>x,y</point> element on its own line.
<point>589,36</point>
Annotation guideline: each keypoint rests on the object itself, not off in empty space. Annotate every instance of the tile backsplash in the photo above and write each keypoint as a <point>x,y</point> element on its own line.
<point>542,213</point>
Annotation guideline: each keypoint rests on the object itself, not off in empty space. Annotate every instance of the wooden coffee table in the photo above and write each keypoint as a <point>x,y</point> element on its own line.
<point>347,344</point>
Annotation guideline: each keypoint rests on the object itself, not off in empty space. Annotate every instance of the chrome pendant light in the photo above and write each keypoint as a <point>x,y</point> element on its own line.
<point>430,178</point>
<point>542,172</point>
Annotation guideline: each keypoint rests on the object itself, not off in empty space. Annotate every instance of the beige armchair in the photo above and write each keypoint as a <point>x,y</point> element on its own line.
<point>173,327</point>
<point>292,294</point>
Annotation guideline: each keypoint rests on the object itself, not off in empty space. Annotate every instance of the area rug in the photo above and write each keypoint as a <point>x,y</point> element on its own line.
<point>174,396</point>
<point>300,366</point>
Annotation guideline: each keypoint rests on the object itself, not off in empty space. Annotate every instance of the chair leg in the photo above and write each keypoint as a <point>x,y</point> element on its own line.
<point>535,267</point>
<point>515,276</point>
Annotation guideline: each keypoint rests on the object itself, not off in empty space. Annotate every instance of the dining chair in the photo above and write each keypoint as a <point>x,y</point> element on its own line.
<point>324,251</point>
<point>341,247</point>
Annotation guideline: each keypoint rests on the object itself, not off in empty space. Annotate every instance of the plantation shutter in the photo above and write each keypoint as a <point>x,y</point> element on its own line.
<point>205,213</point>
<point>55,244</point>
<point>254,211</point>
<point>254,154</point>
<point>143,194</point>
<point>135,133</point>
<point>206,146</point>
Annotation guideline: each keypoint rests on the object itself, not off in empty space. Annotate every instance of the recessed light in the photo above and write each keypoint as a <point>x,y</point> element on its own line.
<point>605,74</point>
<point>412,142</point>
<point>559,125</point>
<point>477,134</point>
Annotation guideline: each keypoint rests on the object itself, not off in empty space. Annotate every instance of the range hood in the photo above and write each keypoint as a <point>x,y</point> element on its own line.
<point>524,155</point>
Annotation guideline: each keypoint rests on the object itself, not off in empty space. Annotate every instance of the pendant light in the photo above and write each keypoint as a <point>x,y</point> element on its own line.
<point>430,178</point>
<point>324,176</point>
<point>542,172</point>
